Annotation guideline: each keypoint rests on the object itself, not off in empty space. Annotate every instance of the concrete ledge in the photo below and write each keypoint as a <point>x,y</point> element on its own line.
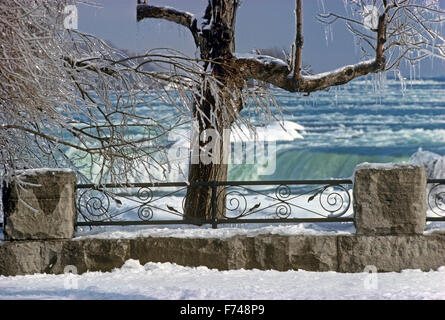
<point>312,253</point>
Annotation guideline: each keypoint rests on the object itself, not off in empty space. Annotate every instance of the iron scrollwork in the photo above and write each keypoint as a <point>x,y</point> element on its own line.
<point>280,202</point>
<point>94,205</point>
<point>283,193</point>
<point>436,199</point>
<point>100,204</point>
<point>234,201</point>
<point>334,201</point>
<point>145,212</point>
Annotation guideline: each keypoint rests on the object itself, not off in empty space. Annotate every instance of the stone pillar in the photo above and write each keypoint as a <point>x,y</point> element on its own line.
<point>389,199</point>
<point>41,206</point>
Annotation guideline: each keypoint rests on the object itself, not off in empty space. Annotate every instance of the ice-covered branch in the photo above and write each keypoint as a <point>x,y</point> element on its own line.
<point>167,13</point>
<point>299,40</point>
<point>183,18</point>
<point>408,30</point>
<point>89,66</point>
<point>278,73</point>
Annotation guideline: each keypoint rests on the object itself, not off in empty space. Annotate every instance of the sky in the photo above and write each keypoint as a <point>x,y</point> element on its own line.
<point>260,24</point>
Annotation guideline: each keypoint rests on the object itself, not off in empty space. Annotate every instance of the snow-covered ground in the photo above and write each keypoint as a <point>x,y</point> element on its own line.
<point>170,281</point>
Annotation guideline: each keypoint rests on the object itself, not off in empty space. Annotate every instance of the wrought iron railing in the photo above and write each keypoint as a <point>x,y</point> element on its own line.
<point>436,199</point>
<point>274,201</point>
<point>244,202</point>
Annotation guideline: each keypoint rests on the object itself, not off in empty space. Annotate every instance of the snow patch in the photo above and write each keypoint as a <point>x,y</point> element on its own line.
<point>385,166</point>
<point>167,281</point>
<point>433,163</point>
<point>223,232</point>
<point>435,228</point>
<point>131,266</point>
<point>261,58</point>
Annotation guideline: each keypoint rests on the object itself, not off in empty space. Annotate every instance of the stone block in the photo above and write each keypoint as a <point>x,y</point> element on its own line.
<point>209,252</point>
<point>391,253</point>
<point>42,207</point>
<point>389,199</point>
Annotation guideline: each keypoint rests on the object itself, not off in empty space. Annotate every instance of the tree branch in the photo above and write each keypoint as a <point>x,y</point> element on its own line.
<point>381,40</point>
<point>43,135</point>
<point>280,74</point>
<point>298,45</point>
<point>277,73</point>
<point>183,18</point>
<point>170,14</point>
<point>90,67</point>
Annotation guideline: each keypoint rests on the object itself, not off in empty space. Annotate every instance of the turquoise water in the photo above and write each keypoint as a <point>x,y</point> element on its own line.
<point>364,121</point>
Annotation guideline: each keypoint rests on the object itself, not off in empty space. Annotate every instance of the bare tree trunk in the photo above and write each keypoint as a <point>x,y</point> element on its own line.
<point>201,201</point>
<point>205,202</point>
<point>209,161</point>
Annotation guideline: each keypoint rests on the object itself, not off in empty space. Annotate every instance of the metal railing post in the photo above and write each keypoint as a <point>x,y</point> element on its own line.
<point>214,206</point>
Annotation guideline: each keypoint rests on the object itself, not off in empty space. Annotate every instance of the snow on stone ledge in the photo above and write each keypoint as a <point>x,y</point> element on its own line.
<point>436,227</point>
<point>383,166</point>
<point>223,232</point>
<point>386,166</point>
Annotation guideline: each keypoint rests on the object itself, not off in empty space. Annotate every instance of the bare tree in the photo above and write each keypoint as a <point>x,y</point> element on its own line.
<point>70,100</point>
<point>388,31</point>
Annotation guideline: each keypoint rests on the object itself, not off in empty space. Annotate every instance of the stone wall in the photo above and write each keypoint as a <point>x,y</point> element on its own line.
<point>390,213</point>
<point>264,252</point>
